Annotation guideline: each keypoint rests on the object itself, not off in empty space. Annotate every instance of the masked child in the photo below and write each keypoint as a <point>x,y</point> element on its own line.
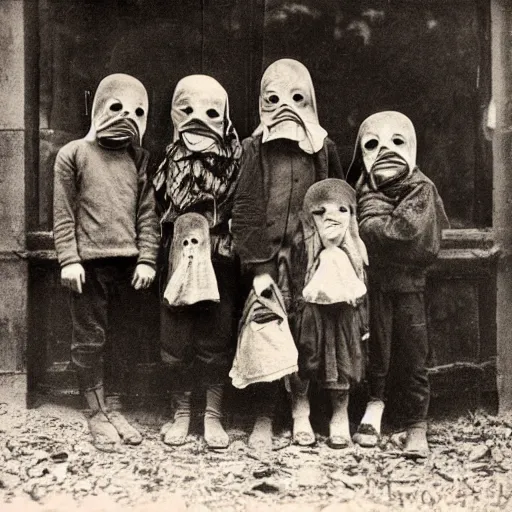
<point>106,235</point>
<point>287,154</point>
<point>401,217</point>
<point>329,306</point>
<point>195,185</point>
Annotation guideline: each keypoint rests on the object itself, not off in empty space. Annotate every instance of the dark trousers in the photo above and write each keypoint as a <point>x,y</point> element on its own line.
<point>398,335</point>
<point>107,282</point>
<point>198,342</point>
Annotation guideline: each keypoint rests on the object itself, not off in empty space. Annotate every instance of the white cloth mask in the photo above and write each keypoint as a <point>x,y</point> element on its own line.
<point>200,113</point>
<point>386,144</point>
<point>192,277</point>
<point>336,255</point>
<point>334,280</point>
<point>119,112</point>
<point>331,220</point>
<point>288,106</point>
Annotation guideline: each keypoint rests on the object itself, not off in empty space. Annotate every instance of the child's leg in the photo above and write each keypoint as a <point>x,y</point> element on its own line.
<point>214,433</point>
<point>265,399</point>
<point>381,328</point>
<point>215,345</point>
<point>123,297</point>
<point>412,343</point>
<point>302,430</point>
<point>90,319</point>
<point>176,336</point>
<point>175,432</point>
<point>339,426</point>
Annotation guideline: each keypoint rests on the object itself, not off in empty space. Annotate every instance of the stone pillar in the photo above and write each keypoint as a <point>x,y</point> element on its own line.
<point>13,268</point>
<point>501,29</point>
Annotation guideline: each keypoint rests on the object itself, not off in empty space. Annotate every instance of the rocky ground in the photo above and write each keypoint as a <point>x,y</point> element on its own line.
<point>47,464</point>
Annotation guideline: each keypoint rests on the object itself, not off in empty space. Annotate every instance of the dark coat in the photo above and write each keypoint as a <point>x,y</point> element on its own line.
<point>251,218</point>
<point>401,228</point>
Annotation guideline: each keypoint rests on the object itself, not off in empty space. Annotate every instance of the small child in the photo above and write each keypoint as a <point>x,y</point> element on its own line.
<point>401,217</point>
<point>106,235</point>
<point>330,306</point>
<point>287,153</point>
<point>195,185</point>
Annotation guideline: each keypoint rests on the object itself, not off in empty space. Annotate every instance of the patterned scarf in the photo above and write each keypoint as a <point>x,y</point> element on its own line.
<point>191,178</point>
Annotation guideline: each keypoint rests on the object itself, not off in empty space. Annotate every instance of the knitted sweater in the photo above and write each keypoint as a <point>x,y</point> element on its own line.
<point>103,205</point>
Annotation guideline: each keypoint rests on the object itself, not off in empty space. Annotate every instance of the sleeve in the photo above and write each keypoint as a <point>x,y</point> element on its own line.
<point>335,170</point>
<point>148,231</point>
<point>406,222</point>
<point>64,207</point>
<point>249,216</point>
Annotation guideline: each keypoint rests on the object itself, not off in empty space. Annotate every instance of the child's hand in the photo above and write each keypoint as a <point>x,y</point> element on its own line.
<point>73,277</point>
<point>261,283</point>
<point>143,276</point>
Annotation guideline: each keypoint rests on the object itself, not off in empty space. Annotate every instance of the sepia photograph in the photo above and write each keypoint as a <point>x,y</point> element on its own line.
<point>255,255</point>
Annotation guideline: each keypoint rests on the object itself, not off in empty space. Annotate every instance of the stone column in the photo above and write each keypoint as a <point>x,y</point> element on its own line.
<point>501,29</point>
<point>13,268</point>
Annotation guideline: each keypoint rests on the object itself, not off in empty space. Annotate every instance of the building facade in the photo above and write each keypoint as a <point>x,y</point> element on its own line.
<point>445,64</point>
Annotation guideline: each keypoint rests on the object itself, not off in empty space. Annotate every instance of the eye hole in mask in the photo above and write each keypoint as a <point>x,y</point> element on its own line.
<point>212,113</point>
<point>343,209</point>
<point>319,211</point>
<point>185,243</point>
<point>187,110</point>
<point>194,241</point>
<point>273,98</point>
<point>298,97</point>
<point>139,112</point>
<point>371,144</point>
<point>398,142</point>
<point>116,107</point>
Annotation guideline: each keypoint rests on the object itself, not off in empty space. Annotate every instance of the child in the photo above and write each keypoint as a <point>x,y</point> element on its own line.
<point>195,185</point>
<point>106,235</point>
<point>287,154</point>
<point>330,306</point>
<point>401,217</point>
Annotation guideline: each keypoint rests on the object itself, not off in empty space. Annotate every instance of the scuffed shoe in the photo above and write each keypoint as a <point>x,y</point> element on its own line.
<point>366,436</point>
<point>127,433</point>
<point>261,435</point>
<point>303,434</point>
<point>416,444</point>
<point>104,435</point>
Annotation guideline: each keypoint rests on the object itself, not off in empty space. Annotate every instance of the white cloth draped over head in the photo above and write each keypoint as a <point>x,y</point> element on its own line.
<point>119,111</point>
<point>287,106</point>
<point>192,278</point>
<point>200,114</point>
<point>386,142</point>
<point>335,272</point>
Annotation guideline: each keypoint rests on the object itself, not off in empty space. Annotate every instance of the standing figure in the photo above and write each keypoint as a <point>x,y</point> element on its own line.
<point>195,185</point>
<point>106,235</point>
<point>401,217</point>
<point>287,154</point>
<point>329,304</point>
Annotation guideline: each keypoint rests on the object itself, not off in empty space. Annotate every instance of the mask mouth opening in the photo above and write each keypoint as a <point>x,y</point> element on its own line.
<point>388,168</point>
<point>197,136</point>
<point>282,114</point>
<point>198,127</point>
<point>118,134</point>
